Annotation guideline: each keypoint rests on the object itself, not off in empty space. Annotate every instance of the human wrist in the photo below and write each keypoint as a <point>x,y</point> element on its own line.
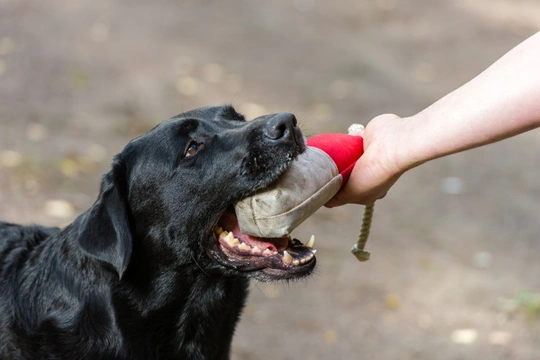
<point>410,147</point>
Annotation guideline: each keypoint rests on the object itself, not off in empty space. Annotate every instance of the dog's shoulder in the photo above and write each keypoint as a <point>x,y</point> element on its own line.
<point>13,234</point>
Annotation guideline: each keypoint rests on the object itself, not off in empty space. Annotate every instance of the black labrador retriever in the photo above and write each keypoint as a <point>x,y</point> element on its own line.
<point>144,273</point>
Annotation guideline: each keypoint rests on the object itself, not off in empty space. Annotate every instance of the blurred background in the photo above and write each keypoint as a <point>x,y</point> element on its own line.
<point>455,264</point>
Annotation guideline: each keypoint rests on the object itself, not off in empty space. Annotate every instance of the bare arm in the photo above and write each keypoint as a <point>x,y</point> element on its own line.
<point>501,102</point>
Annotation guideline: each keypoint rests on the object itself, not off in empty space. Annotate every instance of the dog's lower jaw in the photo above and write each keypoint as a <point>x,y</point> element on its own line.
<point>263,259</point>
<point>263,273</point>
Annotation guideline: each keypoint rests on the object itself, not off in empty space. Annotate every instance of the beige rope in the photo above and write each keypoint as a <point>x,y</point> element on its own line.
<point>358,248</point>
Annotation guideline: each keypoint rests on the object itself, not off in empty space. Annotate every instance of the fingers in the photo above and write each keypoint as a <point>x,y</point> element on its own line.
<point>337,200</point>
<point>377,169</point>
<point>369,181</point>
<point>342,198</point>
<point>364,186</point>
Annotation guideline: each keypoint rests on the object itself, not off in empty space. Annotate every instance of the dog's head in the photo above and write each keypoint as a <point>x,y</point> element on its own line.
<point>172,192</point>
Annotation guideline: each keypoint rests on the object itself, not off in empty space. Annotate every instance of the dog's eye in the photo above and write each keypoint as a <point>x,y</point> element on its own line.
<point>192,149</point>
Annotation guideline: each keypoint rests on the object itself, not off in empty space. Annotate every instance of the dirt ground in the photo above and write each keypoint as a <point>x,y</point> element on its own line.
<point>455,249</point>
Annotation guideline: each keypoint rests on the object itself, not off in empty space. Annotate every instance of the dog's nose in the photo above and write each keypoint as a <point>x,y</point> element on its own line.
<point>280,125</point>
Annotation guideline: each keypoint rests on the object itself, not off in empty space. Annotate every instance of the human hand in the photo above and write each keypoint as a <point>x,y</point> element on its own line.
<point>380,166</point>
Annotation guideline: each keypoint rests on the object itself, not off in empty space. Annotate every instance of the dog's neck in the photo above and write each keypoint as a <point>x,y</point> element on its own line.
<point>171,297</point>
<point>159,298</point>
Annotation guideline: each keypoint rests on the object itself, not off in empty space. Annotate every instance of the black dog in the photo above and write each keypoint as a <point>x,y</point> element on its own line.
<point>144,274</point>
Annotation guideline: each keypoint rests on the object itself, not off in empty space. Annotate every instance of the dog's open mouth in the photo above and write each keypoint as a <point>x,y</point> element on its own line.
<point>275,255</point>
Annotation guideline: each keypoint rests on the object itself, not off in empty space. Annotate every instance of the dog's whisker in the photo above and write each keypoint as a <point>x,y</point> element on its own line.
<point>199,266</point>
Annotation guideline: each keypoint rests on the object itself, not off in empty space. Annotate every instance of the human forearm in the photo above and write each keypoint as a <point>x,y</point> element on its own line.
<point>501,102</point>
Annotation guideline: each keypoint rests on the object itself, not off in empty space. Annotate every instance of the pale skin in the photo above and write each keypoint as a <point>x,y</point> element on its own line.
<point>501,102</point>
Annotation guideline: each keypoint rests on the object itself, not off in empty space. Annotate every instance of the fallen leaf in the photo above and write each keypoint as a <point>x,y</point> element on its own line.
<point>59,209</point>
<point>6,46</point>
<point>187,85</point>
<point>500,338</point>
<point>330,336</point>
<point>96,152</point>
<point>271,291</point>
<point>252,110</point>
<point>99,32</point>
<point>10,159</point>
<point>69,167</point>
<point>392,301</point>
<point>464,336</point>
<point>36,132</point>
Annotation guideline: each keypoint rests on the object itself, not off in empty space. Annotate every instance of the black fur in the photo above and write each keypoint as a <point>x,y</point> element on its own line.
<point>137,275</point>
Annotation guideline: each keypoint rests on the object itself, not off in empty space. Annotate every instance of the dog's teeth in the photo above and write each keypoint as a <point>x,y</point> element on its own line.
<point>311,242</point>
<point>304,260</point>
<point>267,252</point>
<point>313,251</point>
<point>218,229</point>
<point>296,262</point>
<point>287,258</point>
<point>244,246</point>
<point>229,236</point>
<point>256,250</point>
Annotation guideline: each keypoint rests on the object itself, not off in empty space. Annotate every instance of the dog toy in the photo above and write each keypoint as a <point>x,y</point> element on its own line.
<point>309,182</point>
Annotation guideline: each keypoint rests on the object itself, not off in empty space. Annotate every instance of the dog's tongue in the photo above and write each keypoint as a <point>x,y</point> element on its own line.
<point>229,222</point>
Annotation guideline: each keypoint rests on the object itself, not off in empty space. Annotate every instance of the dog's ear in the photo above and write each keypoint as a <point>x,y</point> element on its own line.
<point>105,232</point>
